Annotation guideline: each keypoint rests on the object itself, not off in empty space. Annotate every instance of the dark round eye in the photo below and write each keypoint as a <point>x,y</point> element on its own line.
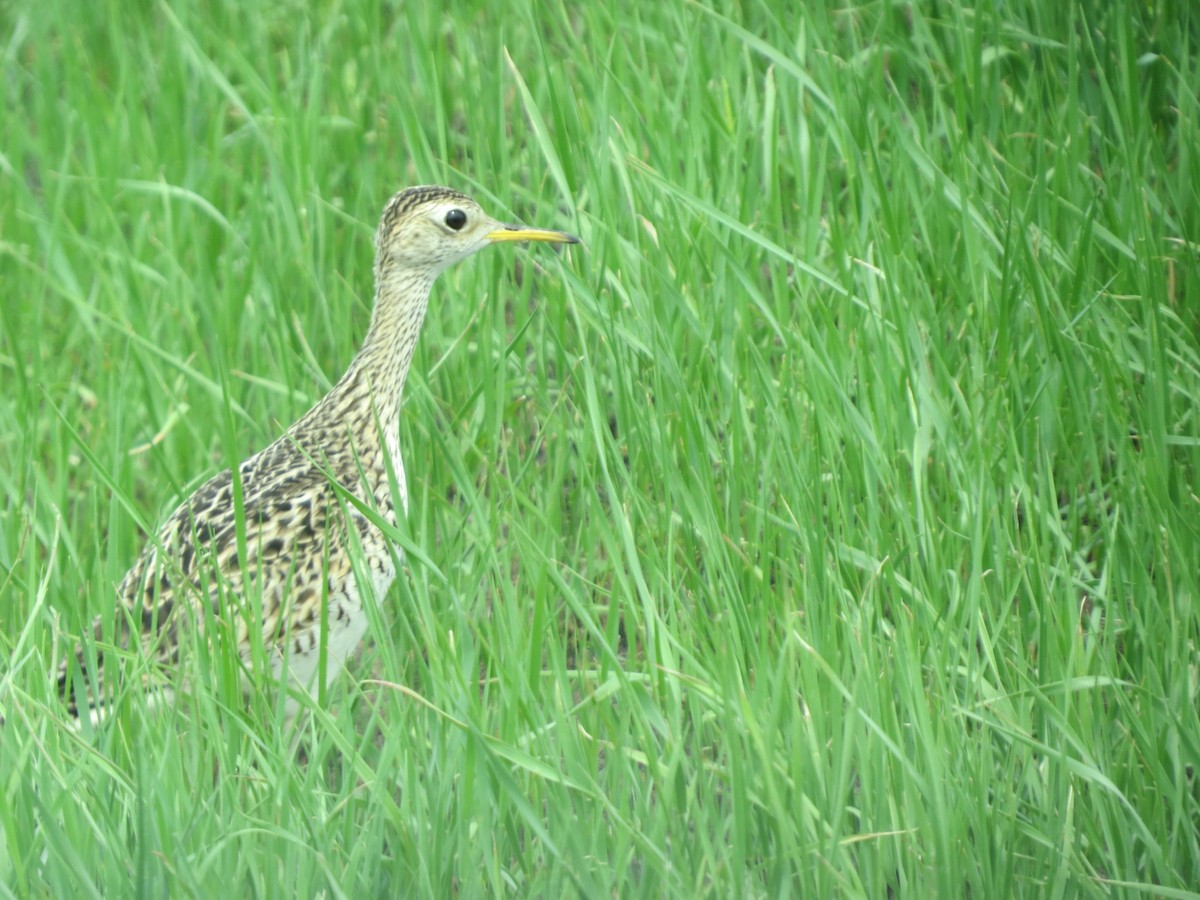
<point>456,219</point>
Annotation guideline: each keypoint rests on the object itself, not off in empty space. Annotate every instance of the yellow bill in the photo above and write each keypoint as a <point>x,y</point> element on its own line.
<point>521,233</point>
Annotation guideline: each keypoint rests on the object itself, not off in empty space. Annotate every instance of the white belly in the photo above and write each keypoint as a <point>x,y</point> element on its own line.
<point>345,632</point>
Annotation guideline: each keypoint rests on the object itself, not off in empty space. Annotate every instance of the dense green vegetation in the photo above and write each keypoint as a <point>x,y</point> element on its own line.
<point>828,525</point>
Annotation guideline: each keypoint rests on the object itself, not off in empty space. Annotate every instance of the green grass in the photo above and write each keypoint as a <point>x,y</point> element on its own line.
<point>827,526</point>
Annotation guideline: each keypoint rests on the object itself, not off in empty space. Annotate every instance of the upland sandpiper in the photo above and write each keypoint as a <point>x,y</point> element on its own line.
<point>267,555</point>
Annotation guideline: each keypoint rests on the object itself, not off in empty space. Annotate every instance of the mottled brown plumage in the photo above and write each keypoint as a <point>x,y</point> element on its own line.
<point>300,536</point>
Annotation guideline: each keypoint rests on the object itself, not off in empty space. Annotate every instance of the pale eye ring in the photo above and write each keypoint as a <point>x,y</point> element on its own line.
<point>456,219</point>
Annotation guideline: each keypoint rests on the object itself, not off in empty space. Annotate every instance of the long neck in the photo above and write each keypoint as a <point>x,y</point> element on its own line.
<point>366,400</point>
<point>401,298</point>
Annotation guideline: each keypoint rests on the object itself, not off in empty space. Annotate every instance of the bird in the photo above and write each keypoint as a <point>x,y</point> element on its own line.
<point>263,555</point>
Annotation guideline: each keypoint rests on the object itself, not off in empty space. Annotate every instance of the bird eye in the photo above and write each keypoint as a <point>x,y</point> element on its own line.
<point>456,219</point>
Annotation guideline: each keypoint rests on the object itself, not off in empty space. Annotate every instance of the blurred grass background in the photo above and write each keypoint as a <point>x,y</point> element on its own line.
<point>826,526</point>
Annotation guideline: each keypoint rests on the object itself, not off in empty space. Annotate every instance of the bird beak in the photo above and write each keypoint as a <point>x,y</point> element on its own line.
<point>521,233</point>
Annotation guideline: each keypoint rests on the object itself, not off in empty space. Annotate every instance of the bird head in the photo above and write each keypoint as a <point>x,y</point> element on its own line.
<point>426,229</point>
